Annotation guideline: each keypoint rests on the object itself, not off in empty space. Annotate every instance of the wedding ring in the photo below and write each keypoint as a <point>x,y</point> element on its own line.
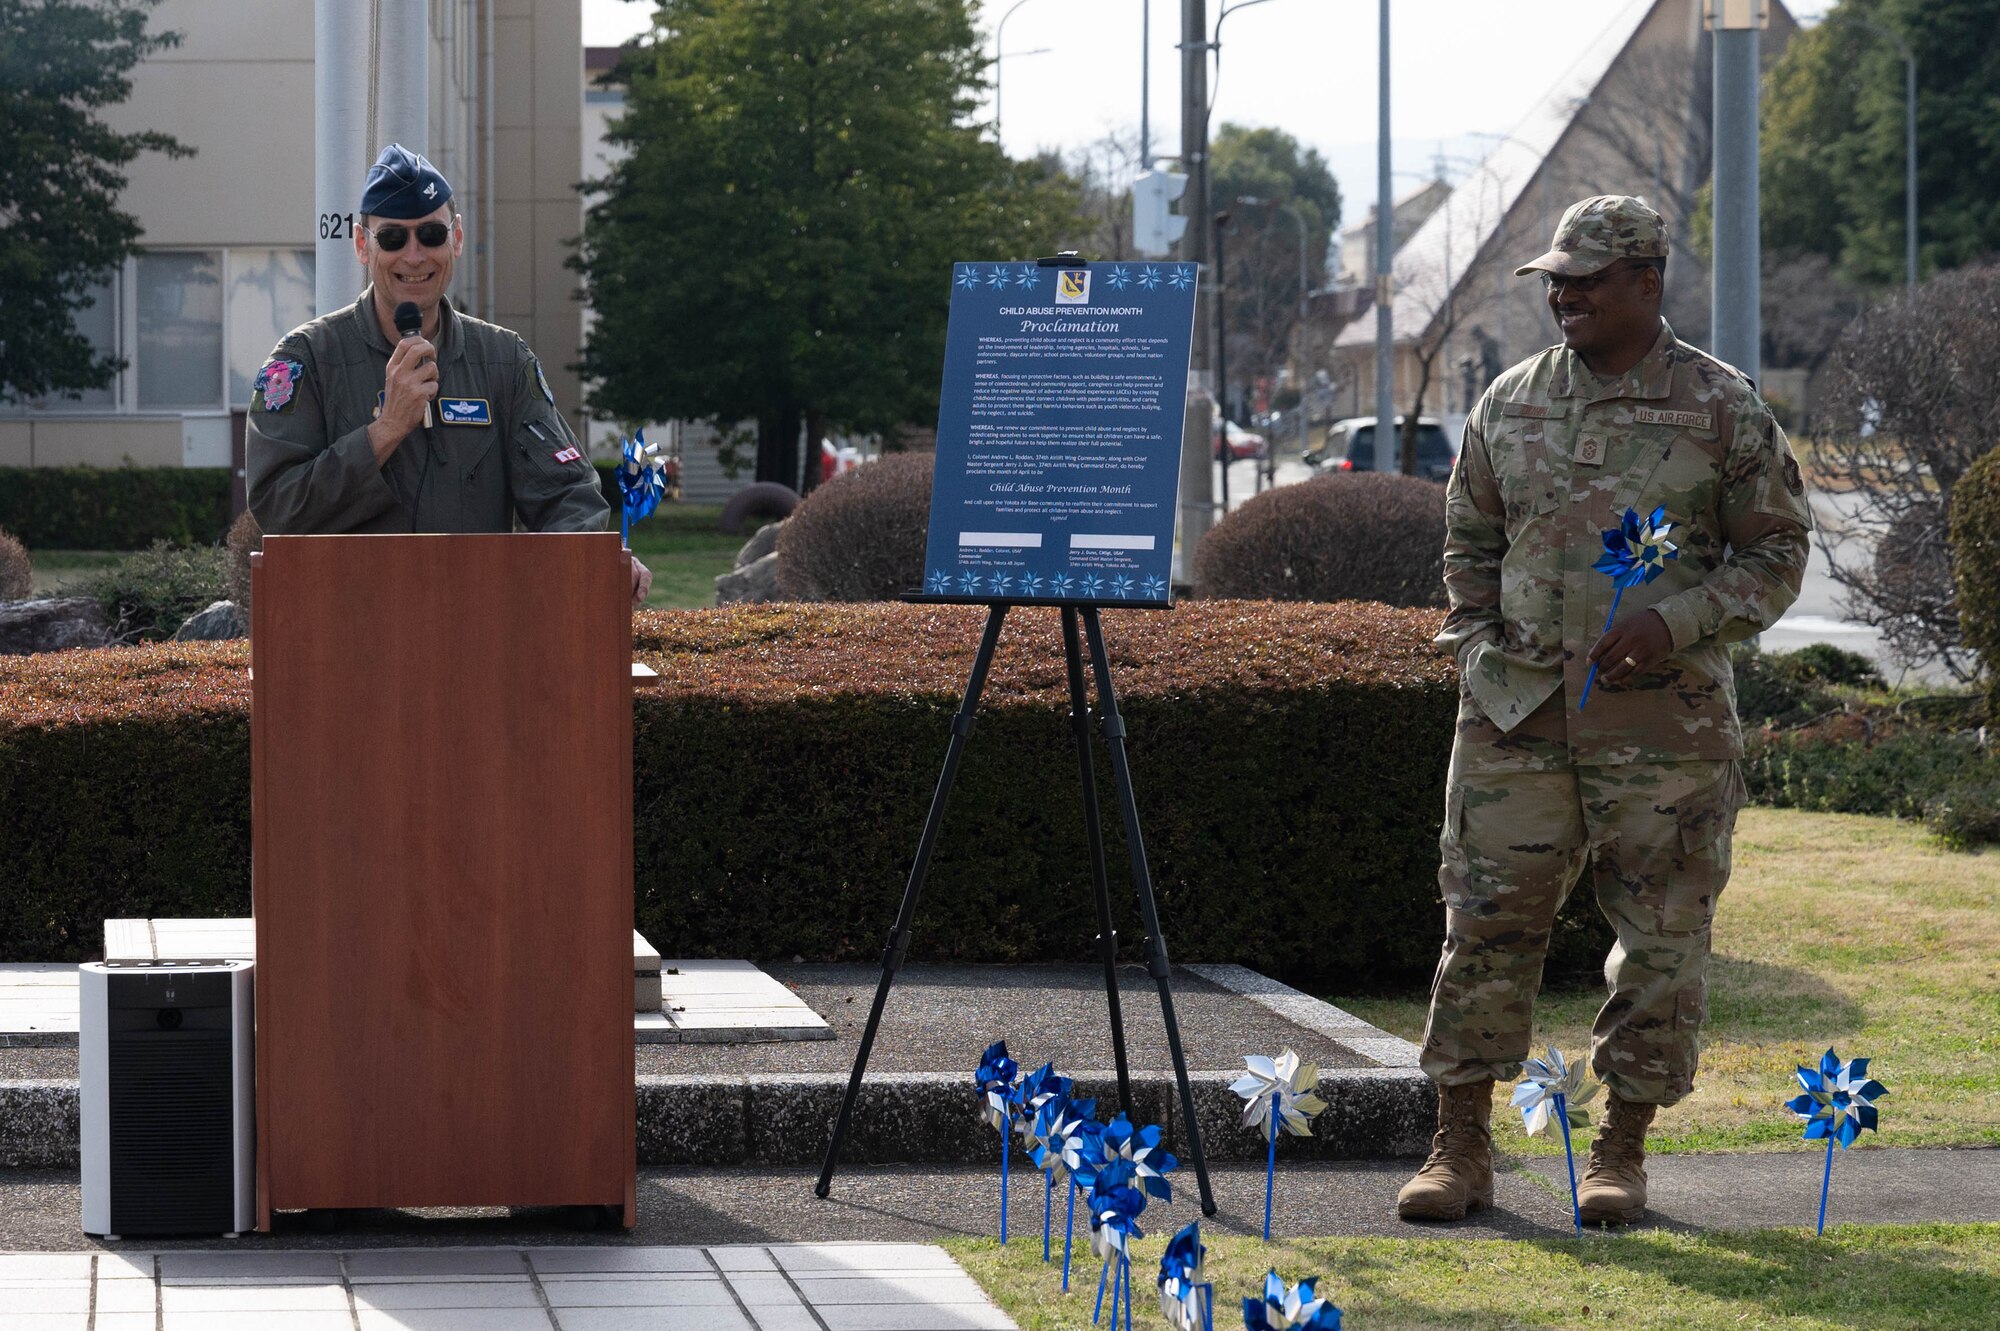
<point>1630,662</point>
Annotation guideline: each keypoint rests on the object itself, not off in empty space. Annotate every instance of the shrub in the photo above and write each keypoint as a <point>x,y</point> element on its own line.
<point>1289,764</point>
<point>1367,537</point>
<point>1899,774</point>
<point>119,508</point>
<point>1975,562</point>
<point>245,539</point>
<point>1789,688</point>
<point>860,536</point>
<point>15,570</point>
<point>149,594</point>
<point>1966,816</point>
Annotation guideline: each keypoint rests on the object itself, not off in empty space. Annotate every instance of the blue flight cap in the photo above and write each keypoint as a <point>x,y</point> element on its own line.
<point>403,185</point>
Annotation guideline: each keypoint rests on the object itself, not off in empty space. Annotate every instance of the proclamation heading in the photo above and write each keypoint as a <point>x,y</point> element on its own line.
<point>1059,433</point>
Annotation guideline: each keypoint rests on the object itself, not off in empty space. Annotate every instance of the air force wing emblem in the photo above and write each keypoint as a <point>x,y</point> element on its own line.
<point>465,411</point>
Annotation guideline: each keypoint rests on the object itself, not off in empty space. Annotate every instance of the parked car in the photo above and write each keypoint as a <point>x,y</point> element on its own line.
<point>1350,446</point>
<point>1242,443</point>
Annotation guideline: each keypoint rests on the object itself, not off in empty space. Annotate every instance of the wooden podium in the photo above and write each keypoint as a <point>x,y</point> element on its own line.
<point>441,796</point>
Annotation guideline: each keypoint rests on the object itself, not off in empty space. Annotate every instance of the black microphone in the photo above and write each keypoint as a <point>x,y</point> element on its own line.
<point>409,323</point>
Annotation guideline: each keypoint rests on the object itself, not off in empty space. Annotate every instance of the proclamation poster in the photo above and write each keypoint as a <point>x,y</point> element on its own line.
<point>1059,433</point>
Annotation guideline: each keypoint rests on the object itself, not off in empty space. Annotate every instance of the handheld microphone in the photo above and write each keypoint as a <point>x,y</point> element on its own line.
<point>409,323</point>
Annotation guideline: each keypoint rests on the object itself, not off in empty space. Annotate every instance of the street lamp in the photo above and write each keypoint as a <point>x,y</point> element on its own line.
<point>999,54</point>
<point>1909,137</point>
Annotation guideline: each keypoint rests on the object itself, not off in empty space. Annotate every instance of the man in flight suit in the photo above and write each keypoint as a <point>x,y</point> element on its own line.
<point>354,427</point>
<point>1638,789</point>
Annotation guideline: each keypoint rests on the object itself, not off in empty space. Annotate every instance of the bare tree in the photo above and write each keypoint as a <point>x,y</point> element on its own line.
<point>1913,399</point>
<point>1443,299</point>
<point>1104,170</point>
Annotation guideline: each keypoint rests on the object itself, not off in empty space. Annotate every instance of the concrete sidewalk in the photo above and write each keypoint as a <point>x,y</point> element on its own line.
<point>39,1210</point>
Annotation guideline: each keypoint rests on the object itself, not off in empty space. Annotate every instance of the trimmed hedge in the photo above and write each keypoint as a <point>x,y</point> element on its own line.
<point>119,508</point>
<point>1289,762</point>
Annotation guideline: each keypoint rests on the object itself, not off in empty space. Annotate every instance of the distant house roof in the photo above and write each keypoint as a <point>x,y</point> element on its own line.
<point>1452,239</point>
<point>598,62</point>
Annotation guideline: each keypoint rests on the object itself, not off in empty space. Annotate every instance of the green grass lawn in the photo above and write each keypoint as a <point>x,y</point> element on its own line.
<point>681,545</point>
<point>1913,1278</point>
<point>52,572</point>
<point>1836,930</point>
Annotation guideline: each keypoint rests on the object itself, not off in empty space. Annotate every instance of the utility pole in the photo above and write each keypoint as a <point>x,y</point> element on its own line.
<point>1736,330</point>
<point>1222,359</point>
<point>1197,481</point>
<point>1385,253</point>
<point>370,88</point>
<point>1145,85</point>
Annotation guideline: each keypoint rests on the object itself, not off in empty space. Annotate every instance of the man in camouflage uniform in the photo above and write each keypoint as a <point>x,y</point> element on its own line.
<point>1639,787</point>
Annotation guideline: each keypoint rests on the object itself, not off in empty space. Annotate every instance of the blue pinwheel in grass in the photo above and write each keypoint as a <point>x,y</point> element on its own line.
<point>1079,1143</point>
<point>1277,1092</point>
<point>1116,1204</point>
<point>1635,552</point>
<point>1035,1093</point>
<point>1282,1309</point>
<point>1838,1104</point>
<point>1140,1148</point>
<point>1186,1297</point>
<point>642,481</point>
<point>1551,1091</point>
<point>995,1080</point>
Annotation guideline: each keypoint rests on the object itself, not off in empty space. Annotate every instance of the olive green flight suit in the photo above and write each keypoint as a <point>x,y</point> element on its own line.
<point>497,448</point>
<point>1642,786</point>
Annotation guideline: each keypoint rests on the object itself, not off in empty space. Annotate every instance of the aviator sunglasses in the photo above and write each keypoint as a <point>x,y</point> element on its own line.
<point>431,235</point>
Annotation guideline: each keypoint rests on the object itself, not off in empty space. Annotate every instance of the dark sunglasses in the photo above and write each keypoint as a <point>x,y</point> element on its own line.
<point>430,235</point>
<point>1583,286</point>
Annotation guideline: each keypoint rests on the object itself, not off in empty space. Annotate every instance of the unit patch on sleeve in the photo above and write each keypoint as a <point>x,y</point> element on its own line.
<point>278,382</point>
<point>465,411</point>
<point>542,382</point>
<point>569,455</point>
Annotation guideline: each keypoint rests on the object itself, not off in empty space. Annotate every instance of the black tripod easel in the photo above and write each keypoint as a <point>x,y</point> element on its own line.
<point>1113,727</point>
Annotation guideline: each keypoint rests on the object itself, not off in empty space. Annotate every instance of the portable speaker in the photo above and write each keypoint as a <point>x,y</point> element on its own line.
<point>168,1098</point>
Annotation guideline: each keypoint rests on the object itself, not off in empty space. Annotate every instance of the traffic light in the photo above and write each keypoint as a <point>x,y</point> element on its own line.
<point>1155,227</point>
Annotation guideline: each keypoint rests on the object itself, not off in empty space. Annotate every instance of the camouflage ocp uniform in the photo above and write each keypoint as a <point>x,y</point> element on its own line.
<point>1641,788</point>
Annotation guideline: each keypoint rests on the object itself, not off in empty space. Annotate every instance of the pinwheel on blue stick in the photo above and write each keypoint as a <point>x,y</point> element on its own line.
<point>1037,1094</point>
<point>1550,1091</point>
<point>1837,1104</point>
<point>1187,1299</point>
<point>1281,1309</point>
<point>1635,552</point>
<point>995,1079</point>
<point>1278,1092</point>
<point>1115,1207</point>
<point>642,480</point>
<point>1081,1151</point>
<point>1140,1147</point>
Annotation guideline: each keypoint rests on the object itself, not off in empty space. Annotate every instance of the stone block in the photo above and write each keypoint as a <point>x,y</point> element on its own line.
<point>693,1121</point>
<point>43,1125</point>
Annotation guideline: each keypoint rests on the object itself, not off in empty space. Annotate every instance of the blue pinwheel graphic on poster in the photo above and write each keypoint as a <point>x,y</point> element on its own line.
<point>1059,434</point>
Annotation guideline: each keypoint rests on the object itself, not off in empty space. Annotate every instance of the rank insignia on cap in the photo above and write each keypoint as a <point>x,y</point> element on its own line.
<point>465,411</point>
<point>278,381</point>
<point>542,382</point>
<point>569,455</point>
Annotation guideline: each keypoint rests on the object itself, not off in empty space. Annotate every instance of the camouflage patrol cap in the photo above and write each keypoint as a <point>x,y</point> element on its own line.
<point>1598,232</point>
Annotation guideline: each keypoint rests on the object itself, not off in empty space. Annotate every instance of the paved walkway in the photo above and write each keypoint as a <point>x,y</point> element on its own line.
<point>780,1287</point>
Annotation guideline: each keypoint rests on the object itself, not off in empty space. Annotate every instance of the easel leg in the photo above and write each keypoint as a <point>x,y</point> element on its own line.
<point>1107,938</point>
<point>899,937</point>
<point>1142,878</point>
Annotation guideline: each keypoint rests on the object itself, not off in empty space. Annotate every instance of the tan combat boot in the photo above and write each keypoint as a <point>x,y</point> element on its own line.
<point>1613,1190</point>
<point>1458,1177</point>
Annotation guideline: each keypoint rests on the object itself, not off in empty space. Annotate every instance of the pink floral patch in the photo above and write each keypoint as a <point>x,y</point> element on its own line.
<point>277,381</point>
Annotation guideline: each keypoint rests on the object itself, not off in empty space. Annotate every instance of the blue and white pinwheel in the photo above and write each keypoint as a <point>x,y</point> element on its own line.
<point>1115,1208</point>
<point>1837,1105</point>
<point>1035,1093</point>
<point>1140,1147</point>
<point>1279,1092</point>
<point>1281,1308</point>
<point>1550,1092</point>
<point>1635,552</point>
<point>1187,1299</point>
<point>995,1080</point>
<point>642,480</point>
<point>1080,1147</point>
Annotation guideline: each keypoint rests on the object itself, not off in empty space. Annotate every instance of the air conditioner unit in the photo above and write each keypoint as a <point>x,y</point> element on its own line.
<point>168,1098</point>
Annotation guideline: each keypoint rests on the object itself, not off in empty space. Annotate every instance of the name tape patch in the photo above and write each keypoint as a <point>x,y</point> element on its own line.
<point>1532,410</point>
<point>465,411</point>
<point>1694,420</point>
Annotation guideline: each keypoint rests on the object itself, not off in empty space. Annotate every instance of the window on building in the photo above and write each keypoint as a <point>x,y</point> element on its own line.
<point>179,356</point>
<point>270,294</point>
<point>98,324</point>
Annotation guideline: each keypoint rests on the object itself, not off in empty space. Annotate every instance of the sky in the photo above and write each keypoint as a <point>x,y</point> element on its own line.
<point>1458,69</point>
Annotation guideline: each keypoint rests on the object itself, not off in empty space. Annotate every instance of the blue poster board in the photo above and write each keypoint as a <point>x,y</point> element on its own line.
<point>1059,434</point>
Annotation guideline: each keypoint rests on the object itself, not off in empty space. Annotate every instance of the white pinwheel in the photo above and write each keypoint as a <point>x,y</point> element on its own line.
<point>1283,1086</point>
<point>1543,1081</point>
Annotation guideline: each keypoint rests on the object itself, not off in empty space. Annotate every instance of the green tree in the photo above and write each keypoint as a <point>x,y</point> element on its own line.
<point>61,233</point>
<point>776,243</point>
<point>1832,149</point>
<point>1272,167</point>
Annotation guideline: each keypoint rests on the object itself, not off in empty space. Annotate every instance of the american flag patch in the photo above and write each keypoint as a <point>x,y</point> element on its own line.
<point>568,455</point>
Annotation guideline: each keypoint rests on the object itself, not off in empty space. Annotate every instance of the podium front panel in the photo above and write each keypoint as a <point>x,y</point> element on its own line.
<point>442,851</point>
